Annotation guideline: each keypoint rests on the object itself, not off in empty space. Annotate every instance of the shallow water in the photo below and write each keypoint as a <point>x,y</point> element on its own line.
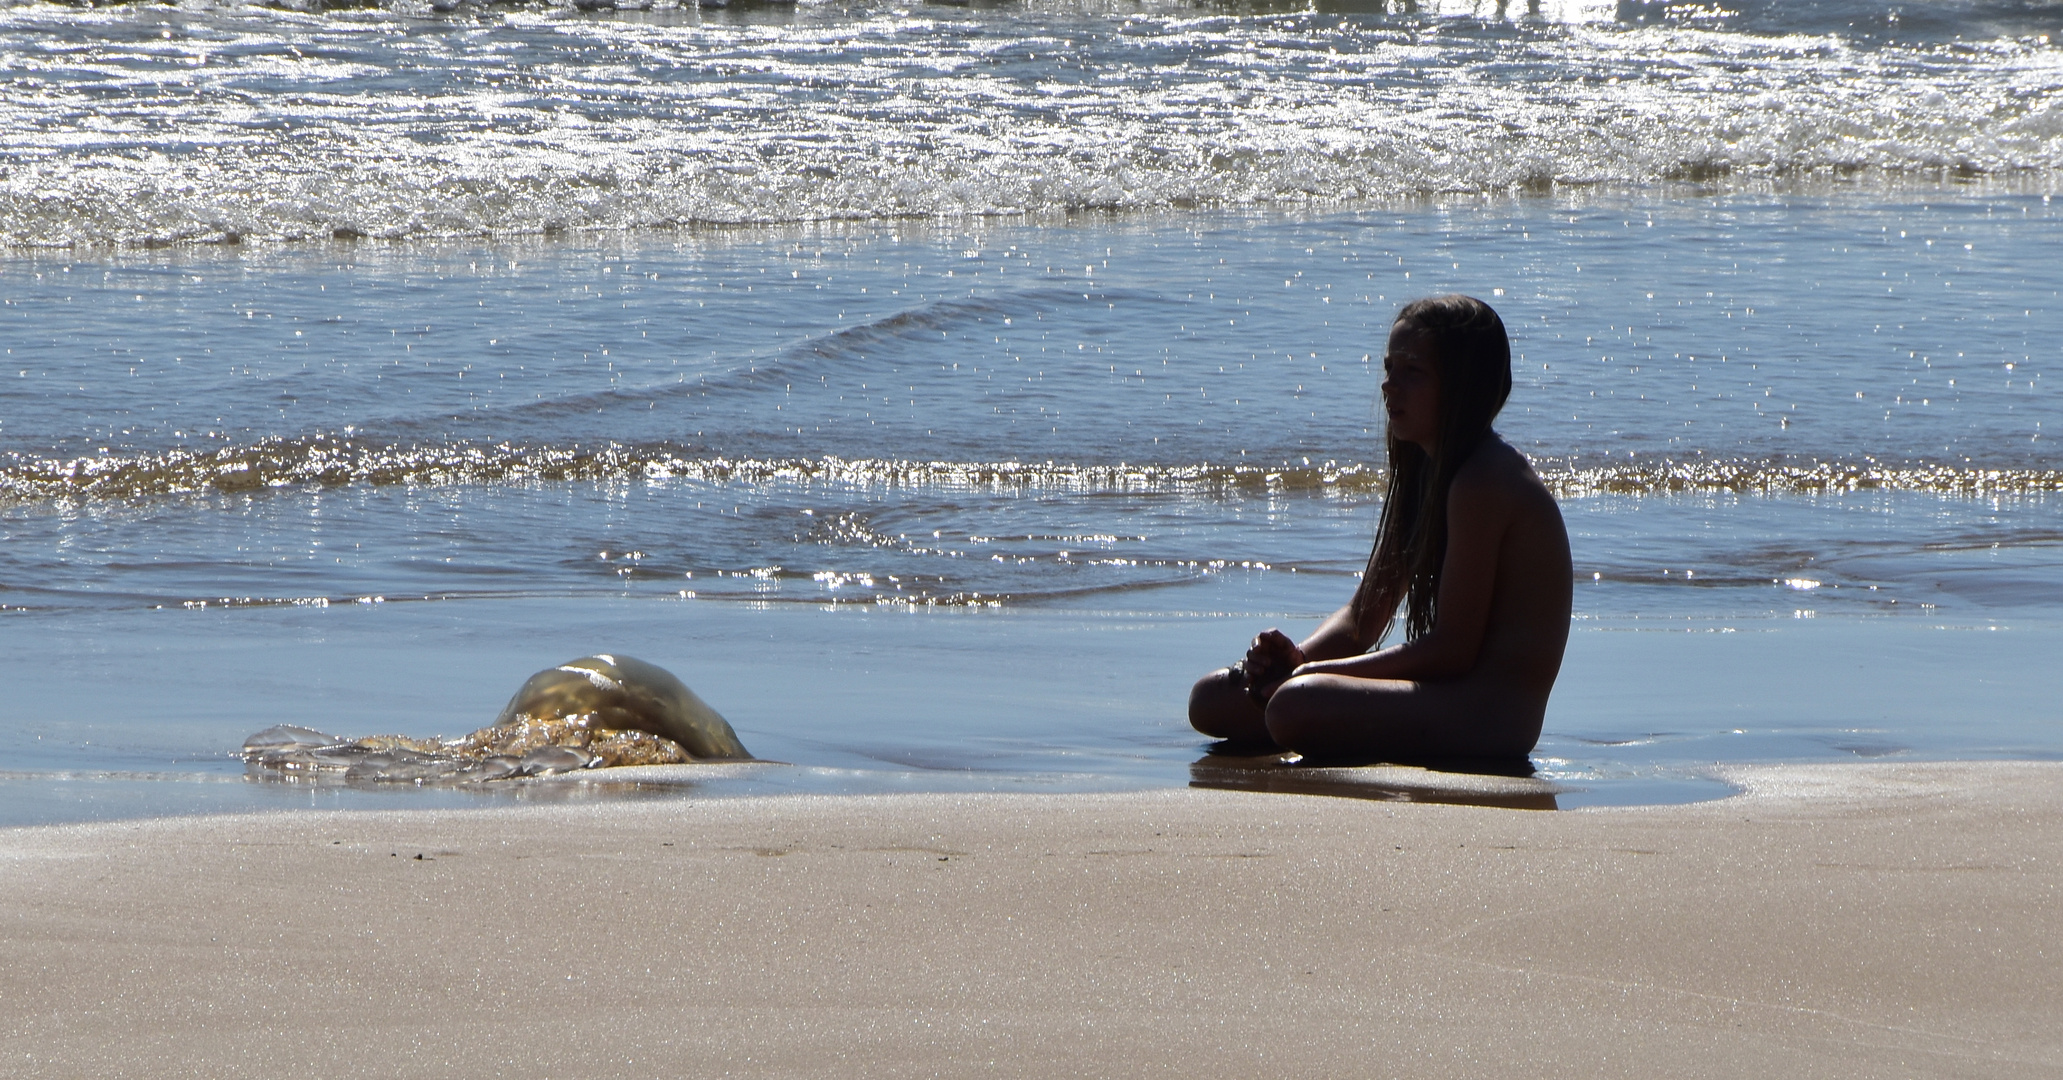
<point>914,422</point>
<point>1038,375</point>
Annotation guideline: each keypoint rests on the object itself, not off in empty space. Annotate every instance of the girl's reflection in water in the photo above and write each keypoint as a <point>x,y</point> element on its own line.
<point>1500,783</point>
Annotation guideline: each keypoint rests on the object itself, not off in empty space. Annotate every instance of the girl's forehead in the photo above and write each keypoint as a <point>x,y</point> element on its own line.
<point>1409,343</point>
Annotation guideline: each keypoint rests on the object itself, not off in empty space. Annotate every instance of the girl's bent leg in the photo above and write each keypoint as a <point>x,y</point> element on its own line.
<point>1331,716</point>
<point>1219,707</point>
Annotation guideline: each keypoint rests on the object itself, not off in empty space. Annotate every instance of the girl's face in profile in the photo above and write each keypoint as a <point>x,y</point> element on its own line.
<point>1411,387</point>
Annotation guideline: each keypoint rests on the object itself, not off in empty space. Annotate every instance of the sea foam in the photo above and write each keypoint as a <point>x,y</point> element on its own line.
<point>233,124</point>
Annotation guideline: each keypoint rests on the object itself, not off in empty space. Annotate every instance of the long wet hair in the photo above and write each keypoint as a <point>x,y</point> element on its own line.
<point>1473,358</point>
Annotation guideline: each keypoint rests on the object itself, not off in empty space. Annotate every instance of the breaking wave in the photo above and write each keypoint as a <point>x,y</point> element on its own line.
<point>251,125</point>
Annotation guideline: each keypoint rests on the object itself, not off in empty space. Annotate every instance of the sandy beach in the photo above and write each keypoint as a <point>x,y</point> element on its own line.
<point>1859,920</point>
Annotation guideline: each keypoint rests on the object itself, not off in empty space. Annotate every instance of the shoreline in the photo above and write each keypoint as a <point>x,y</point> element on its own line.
<point>1839,920</point>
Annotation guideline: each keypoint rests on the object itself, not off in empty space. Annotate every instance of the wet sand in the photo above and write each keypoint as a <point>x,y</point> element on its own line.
<point>1853,920</point>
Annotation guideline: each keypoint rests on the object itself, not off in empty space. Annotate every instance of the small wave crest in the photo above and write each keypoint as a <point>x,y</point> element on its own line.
<point>324,461</point>
<point>328,462</point>
<point>1749,477</point>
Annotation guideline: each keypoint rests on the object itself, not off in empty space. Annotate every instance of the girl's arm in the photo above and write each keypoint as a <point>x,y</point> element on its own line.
<point>1336,637</point>
<point>1273,658</point>
<point>1478,513</point>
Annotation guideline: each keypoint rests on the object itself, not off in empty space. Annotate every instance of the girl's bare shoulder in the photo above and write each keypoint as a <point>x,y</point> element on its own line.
<point>1496,470</point>
<point>1498,488</point>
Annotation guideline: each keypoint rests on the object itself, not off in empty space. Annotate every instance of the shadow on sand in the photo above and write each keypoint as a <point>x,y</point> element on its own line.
<point>1507,784</point>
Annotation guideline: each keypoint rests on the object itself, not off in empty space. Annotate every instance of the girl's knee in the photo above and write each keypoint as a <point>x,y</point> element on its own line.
<point>1290,711</point>
<point>1214,703</point>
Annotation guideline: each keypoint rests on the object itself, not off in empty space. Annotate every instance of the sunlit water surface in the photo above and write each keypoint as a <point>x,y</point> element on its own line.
<point>939,389</point>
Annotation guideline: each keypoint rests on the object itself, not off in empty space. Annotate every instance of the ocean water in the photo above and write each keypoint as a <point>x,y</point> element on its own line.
<point>939,389</point>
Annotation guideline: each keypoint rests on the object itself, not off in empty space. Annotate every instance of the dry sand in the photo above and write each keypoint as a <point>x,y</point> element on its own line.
<point>1900,920</point>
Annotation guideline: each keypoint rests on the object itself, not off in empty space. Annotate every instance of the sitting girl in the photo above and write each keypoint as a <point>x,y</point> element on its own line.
<point>1470,544</point>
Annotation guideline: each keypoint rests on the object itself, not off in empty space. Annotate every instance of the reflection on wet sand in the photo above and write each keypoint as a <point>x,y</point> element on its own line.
<point>1509,785</point>
<point>542,788</point>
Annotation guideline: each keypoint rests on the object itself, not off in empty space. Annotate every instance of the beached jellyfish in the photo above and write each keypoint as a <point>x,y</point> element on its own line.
<point>594,712</point>
<point>618,692</point>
